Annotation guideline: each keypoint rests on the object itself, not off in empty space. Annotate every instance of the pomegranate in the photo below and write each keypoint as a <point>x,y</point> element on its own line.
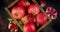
<point>31,18</point>
<point>13,27</point>
<point>51,12</point>
<point>29,27</point>
<point>23,3</point>
<point>43,3</point>
<point>33,9</point>
<point>18,12</point>
<point>41,19</point>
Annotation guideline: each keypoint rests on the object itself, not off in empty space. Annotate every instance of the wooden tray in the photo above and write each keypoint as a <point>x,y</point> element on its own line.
<point>42,10</point>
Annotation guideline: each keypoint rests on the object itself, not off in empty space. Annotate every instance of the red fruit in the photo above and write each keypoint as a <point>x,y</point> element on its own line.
<point>33,9</point>
<point>43,3</point>
<point>28,18</point>
<point>51,12</point>
<point>18,12</point>
<point>23,3</point>
<point>41,18</point>
<point>13,26</point>
<point>29,27</point>
<point>31,18</point>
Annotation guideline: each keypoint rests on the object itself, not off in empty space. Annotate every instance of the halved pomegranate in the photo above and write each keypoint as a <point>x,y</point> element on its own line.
<point>13,26</point>
<point>51,12</point>
<point>43,3</point>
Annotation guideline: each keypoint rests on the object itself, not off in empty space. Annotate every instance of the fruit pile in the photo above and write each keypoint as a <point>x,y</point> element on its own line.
<point>30,15</point>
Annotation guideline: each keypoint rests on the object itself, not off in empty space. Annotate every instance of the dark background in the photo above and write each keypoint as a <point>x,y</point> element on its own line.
<point>54,26</point>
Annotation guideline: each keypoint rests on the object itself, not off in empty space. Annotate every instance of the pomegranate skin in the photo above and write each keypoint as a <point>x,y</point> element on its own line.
<point>33,9</point>
<point>23,3</point>
<point>41,19</point>
<point>18,12</point>
<point>29,27</point>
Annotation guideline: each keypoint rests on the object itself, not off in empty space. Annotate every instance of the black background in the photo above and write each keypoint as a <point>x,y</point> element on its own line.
<point>54,26</point>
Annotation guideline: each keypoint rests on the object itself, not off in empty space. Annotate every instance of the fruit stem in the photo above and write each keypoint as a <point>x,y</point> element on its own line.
<point>42,10</point>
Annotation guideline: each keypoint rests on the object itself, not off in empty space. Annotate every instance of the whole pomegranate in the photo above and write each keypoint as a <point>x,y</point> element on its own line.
<point>18,12</point>
<point>23,3</point>
<point>33,9</point>
<point>29,27</point>
<point>41,18</point>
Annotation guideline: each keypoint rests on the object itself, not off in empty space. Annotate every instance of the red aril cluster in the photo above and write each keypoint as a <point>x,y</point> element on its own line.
<point>31,18</point>
<point>51,12</point>
<point>43,3</point>
<point>13,27</point>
